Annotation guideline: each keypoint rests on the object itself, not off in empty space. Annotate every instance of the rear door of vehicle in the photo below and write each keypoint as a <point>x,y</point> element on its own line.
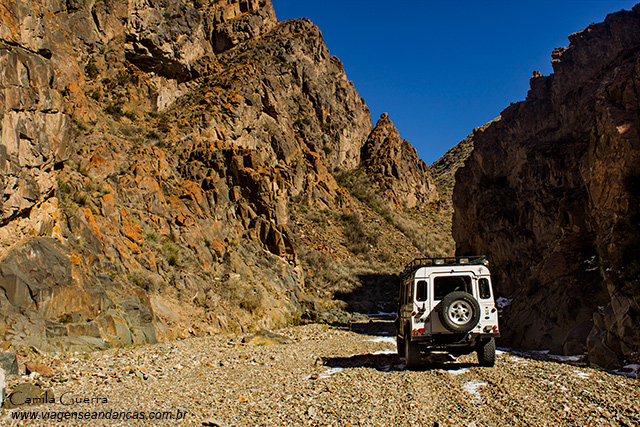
<point>443,284</point>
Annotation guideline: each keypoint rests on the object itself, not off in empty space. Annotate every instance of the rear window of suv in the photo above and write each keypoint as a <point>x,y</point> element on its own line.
<point>444,285</point>
<point>485,289</point>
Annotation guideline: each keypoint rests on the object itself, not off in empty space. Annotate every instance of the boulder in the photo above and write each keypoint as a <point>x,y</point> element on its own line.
<point>9,362</point>
<point>31,367</point>
<point>27,394</point>
<point>264,337</point>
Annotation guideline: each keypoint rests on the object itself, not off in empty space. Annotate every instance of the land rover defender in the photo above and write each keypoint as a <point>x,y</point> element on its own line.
<point>447,304</point>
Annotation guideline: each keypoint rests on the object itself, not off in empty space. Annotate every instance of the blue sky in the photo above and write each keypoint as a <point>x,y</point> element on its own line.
<point>441,68</point>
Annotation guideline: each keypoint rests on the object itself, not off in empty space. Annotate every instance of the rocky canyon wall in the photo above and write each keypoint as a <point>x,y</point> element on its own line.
<point>151,154</point>
<point>550,194</point>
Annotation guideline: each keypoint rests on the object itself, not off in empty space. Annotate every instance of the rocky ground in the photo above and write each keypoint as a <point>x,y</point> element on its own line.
<point>323,376</point>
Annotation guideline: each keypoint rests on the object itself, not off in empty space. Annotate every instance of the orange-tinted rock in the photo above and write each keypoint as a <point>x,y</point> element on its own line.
<point>164,154</point>
<point>130,228</point>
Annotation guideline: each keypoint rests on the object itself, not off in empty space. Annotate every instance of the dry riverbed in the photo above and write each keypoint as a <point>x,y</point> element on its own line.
<point>324,377</point>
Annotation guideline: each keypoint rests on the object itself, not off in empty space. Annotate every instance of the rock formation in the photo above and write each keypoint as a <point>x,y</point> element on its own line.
<point>550,194</point>
<point>152,154</point>
<point>394,165</point>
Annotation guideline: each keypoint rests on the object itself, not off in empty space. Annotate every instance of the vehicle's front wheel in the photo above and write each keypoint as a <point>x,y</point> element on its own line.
<point>487,353</point>
<point>411,353</point>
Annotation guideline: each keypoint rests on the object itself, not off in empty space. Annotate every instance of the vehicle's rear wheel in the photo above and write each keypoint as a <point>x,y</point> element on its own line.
<point>487,353</point>
<point>411,353</point>
<point>459,312</point>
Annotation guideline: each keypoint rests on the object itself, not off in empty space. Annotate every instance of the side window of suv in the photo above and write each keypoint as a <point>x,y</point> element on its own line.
<point>421,291</point>
<point>485,289</point>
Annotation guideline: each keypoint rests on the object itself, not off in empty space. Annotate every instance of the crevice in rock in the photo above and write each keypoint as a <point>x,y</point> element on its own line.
<point>18,215</point>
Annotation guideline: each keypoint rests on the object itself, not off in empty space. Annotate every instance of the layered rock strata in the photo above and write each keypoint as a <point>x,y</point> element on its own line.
<point>151,153</point>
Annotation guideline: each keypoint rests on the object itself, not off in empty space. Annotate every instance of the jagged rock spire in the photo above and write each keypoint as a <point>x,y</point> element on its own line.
<point>395,166</point>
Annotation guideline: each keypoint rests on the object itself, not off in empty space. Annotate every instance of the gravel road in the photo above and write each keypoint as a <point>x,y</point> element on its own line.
<point>325,376</point>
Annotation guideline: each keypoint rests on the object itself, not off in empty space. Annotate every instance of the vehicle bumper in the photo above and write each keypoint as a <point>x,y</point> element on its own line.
<point>454,339</point>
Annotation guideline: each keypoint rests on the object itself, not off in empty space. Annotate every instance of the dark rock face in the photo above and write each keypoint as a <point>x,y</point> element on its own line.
<point>550,195</point>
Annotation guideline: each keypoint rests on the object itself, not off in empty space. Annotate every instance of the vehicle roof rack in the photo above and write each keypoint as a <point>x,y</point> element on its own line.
<point>443,261</point>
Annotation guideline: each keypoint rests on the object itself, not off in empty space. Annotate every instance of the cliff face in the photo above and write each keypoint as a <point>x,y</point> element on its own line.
<point>160,163</point>
<point>394,164</point>
<point>550,194</point>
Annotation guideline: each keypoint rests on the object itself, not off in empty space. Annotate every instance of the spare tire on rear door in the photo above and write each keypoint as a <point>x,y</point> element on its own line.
<point>459,312</point>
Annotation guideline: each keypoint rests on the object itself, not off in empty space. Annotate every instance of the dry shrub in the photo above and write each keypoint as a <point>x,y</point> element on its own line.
<point>358,239</point>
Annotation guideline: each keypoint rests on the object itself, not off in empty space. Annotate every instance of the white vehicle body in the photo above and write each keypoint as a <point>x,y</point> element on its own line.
<point>447,304</point>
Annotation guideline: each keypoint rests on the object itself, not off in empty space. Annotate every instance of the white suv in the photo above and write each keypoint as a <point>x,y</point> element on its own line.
<point>447,304</point>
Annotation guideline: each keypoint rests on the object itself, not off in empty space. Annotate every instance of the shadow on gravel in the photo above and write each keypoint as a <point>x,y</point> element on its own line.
<point>377,327</point>
<point>379,362</point>
<point>374,293</point>
<point>392,362</point>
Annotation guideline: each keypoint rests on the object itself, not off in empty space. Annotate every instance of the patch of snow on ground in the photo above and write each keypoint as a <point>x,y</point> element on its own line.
<point>631,371</point>
<point>543,354</point>
<point>472,387</point>
<point>502,302</point>
<point>383,313</point>
<point>329,372</point>
<point>575,358</point>
<point>458,372</point>
<point>590,262</point>
<point>582,374</point>
<point>558,357</point>
<point>518,359</point>
<point>390,340</point>
<point>385,352</point>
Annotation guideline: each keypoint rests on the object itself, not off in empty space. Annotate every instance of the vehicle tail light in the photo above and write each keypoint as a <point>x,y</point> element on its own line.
<point>493,310</point>
<point>421,331</point>
<point>495,328</point>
